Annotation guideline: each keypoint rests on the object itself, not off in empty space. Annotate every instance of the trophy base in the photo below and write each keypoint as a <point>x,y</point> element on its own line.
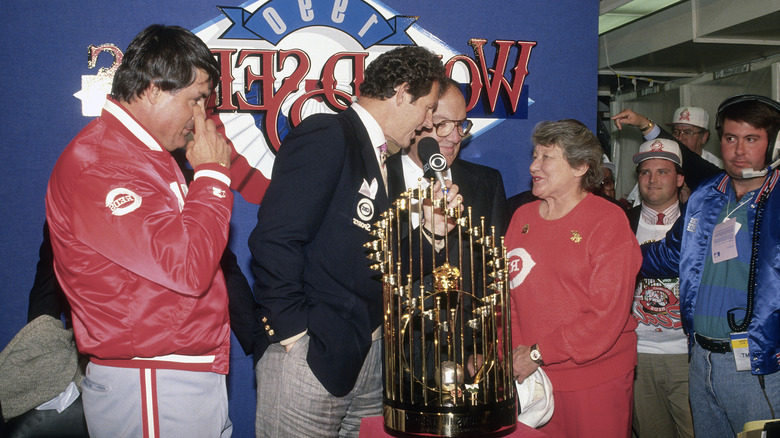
<point>496,419</point>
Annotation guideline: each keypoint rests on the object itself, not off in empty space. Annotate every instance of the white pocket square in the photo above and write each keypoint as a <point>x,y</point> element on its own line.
<point>369,190</point>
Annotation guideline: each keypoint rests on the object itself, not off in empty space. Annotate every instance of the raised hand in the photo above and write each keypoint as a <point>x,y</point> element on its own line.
<point>207,145</point>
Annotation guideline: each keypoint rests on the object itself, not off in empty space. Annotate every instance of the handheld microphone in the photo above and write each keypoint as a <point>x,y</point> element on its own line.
<point>433,161</point>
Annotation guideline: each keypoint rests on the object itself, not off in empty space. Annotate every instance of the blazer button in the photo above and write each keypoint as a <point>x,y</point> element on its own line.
<point>265,320</point>
<point>270,332</point>
<point>267,327</point>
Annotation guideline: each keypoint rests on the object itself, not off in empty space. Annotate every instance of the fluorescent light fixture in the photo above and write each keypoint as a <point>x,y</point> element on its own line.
<point>616,13</point>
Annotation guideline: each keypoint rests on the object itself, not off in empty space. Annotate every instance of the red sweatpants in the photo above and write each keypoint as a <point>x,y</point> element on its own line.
<point>603,411</point>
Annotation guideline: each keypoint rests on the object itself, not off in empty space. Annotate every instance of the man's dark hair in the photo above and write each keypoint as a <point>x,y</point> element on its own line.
<point>417,66</point>
<point>166,56</point>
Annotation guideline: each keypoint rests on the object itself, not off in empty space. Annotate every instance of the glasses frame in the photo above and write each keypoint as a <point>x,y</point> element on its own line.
<point>687,133</point>
<point>462,131</point>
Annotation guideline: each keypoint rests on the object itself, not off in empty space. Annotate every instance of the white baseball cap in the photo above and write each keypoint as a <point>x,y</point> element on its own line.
<point>659,148</point>
<point>608,164</point>
<point>535,399</point>
<point>691,115</point>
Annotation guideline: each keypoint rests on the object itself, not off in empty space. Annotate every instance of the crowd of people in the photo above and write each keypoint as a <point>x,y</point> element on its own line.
<point>660,321</point>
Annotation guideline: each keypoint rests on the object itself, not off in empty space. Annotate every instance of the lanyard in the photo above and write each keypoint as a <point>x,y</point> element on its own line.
<point>744,201</point>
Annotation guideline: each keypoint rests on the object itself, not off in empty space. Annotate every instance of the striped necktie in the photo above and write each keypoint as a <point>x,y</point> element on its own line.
<point>383,154</point>
<point>382,160</point>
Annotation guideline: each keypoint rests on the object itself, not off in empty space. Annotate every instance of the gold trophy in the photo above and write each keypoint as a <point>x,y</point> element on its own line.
<point>442,317</point>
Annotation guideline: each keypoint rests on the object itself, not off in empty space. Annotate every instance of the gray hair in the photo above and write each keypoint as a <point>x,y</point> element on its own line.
<point>579,147</point>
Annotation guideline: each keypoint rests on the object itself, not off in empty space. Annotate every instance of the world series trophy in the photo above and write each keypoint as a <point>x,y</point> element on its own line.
<point>443,316</point>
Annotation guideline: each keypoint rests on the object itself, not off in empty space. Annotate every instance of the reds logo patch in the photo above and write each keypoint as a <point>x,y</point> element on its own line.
<point>657,146</point>
<point>519,264</point>
<point>219,193</point>
<point>122,201</point>
<point>655,299</point>
<point>657,304</point>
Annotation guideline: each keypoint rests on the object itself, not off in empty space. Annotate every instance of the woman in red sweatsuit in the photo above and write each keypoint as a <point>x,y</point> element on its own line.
<point>572,266</point>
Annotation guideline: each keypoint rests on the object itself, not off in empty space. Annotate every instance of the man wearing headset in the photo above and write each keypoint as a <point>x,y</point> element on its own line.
<point>725,250</point>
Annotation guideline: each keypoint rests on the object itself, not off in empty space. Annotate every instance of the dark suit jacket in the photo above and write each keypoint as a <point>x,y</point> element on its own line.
<point>634,216</point>
<point>695,168</point>
<point>482,189</point>
<point>309,262</point>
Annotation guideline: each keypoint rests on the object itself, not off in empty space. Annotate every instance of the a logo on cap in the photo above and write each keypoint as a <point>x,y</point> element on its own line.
<point>657,146</point>
<point>685,115</point>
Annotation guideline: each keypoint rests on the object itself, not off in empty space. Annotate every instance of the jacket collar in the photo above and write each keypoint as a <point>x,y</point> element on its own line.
<point>770,181</point>
<point>116,109</point>
<point>370,160</point>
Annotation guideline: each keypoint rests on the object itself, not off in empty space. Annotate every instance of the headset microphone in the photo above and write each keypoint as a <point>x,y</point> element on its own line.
<point>433,161</point>
<point>751,173</point>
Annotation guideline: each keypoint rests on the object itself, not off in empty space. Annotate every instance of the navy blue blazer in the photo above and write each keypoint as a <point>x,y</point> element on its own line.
<point>308,258</point>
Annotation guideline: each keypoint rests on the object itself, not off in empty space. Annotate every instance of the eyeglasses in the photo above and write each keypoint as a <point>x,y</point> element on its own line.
<point>685,133</point>
<point>445,127</point>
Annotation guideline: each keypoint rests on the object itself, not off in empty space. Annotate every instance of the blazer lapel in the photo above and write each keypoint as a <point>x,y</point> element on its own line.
<point>466,183</point>
<point>370,164</point>
<point>395,176</point>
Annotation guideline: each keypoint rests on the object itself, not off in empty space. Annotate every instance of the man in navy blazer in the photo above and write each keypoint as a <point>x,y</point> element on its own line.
<point>320,304</point>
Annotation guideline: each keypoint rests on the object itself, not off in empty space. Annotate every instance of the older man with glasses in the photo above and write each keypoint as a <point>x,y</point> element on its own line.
<point>690,127</point>
<point>482,187</point>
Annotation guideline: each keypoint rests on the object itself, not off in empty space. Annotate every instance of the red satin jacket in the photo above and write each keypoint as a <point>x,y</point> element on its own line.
<point>137,252</point>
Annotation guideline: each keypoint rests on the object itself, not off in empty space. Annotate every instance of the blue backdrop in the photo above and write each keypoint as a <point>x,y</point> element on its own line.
<point>44,55</point>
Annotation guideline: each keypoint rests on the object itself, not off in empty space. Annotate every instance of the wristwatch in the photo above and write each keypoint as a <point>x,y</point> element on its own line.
<point>536,355</point>
<point>646,129</point>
